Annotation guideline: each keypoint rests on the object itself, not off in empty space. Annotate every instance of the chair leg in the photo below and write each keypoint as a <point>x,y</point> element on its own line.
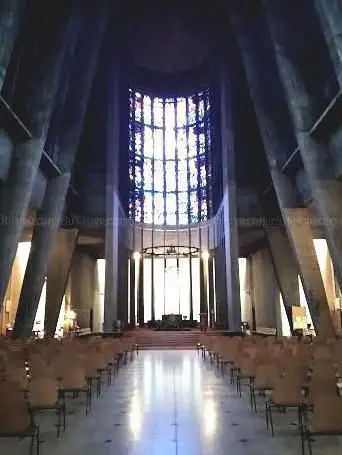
<point>266,415</point>
<point>271,417</point>
<point>38,440</point>
<point>59,423</point>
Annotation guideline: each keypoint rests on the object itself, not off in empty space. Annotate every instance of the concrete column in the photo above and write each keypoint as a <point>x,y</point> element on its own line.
<point>33,98</point>
<point>285,267</point>
<point>220,288</point>
<point>83,287</point>
<point>211,294</point>
<point>229,202</point>
<point>10,14</point>
<point>44,233</point>
<point>330,15</point>
<point>132,278</point>
<point>203,291</point>
<point>57,276</point>
<point>326,190</point>
<point>140,300</point>
<point>123,284</point>
<point>253,48</point>
<point>72,122</point>
<point>113,206</point>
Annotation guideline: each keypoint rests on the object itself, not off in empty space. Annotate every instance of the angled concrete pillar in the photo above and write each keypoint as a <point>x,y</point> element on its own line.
<point>10,14</point>
<point>330,15</point>
<point>33,99</point>
<point>83,287</point>
<point>326,190</point>
<point>44,233</point>
<point>285,267</point>
<point>73,114</point>
<point>57,276</point>
<point>229,201</point>
<point>253,49</point>
<point>298,225</point>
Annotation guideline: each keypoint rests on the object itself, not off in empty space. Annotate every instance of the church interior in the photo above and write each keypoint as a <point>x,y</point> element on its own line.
<point>170,231</point>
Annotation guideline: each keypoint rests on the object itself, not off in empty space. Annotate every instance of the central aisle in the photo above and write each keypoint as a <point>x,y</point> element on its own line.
<point>170,403</point>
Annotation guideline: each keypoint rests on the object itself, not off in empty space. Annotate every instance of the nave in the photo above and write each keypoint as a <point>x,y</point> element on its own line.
<point>171,403</point>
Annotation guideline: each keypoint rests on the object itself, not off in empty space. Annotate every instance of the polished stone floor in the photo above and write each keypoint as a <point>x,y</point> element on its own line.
<point>170,403</point>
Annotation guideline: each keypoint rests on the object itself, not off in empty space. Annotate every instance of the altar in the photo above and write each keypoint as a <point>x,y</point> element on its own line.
<point>172,321</point>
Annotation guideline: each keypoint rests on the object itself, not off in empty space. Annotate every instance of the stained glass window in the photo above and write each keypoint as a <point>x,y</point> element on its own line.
<point>169,169</point>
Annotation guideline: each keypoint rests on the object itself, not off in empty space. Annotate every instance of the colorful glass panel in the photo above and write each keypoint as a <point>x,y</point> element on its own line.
<point>168,166</point>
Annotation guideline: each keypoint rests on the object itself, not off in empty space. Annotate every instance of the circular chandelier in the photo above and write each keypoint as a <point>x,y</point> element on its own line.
<point>171,251</point>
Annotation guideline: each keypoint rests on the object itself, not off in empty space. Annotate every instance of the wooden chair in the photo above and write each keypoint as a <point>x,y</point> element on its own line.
<point>43,395</point>
<point>16,420</point>
<point>326,421</point>
<point>74,381</point>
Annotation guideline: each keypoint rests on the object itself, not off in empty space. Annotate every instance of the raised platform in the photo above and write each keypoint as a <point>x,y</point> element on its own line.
<point>167,339</point>
<point>172,329</point>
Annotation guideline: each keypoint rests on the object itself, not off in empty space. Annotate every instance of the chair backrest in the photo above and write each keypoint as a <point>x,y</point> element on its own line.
<point>43,392</point>
<point>327,413</point>
<point>14,415</point>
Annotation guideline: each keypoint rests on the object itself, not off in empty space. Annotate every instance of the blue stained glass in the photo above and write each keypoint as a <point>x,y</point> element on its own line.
<point>138,108</point>
<point>148,176</point>
<point>193,206</point>
<point>201,140</point>
<point>201,111</point>
<point>192,143</point>
<point>192,111</point>
<point>193,174</point>
<point>167,159</point>
<point>148,142</point>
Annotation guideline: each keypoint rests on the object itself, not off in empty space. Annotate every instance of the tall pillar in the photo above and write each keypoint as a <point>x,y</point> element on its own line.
<point>43,237</point>
<point>132,288</point>
<point>326,190</point>
<point>10,14</point>
<point>203,292</point>
<point>330,14</point>
<point>83,287</point>
<point>220,288</point>
<point>33,99</point>
<point>285,267</point>
<point>73,114</point>
<point>253,47</point>
<point>57,277</point>
<point>229,199</point>
<point>140,296</point>
<point>211,293</point>
<point>113,206</point>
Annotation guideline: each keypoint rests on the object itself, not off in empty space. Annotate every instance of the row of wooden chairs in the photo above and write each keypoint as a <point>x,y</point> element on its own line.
<point>305,375</point>
<point>39,375</point>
